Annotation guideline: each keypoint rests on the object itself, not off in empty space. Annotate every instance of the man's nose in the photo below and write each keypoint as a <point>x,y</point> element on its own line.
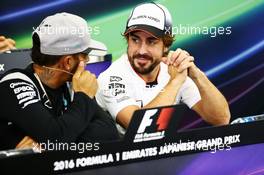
<point>143,48</point>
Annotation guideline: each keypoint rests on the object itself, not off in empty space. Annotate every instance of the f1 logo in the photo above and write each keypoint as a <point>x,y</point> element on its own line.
<point>146,121</point>
<point>2,67</point>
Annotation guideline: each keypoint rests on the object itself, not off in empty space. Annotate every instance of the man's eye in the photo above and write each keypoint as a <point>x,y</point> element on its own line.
<point>152,42</point>
<point>135,40</point>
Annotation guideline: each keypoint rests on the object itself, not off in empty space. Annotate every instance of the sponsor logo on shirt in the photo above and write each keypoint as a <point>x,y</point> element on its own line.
<point>26,93</point>
<point>115,79</point>
<point>122,99</point>
<point>116,88</point>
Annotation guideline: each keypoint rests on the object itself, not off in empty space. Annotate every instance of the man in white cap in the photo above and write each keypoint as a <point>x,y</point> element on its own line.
<point>148,76</point>
<point>38,103</point>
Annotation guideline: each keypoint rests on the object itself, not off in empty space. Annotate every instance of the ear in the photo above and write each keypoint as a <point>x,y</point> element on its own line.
<point>166,49</point>
<point>67,62</point>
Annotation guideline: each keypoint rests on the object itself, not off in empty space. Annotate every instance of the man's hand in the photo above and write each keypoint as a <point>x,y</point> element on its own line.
<point>178,62</point>
<point>218,113</point>
<point>84,81</point>
<point>180,59</point>
<point>180,77</point>
<point>6,44</point>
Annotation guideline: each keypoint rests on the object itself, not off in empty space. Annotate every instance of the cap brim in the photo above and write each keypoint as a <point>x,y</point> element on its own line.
<point>96,48</point>
<point>145,28</point>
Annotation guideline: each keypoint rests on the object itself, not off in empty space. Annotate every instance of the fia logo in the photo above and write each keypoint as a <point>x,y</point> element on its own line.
<point>146,121</point>
<point>153,124</point>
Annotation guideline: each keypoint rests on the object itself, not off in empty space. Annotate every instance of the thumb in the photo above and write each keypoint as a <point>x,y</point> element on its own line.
<point>11,41</point>
<point>166,59</point>
<point>2,38</point>
<point>79,70</point>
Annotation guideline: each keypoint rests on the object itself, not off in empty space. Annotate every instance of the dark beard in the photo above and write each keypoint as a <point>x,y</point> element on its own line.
<point>75,67</point>
<point>73,70</point>
<point>140,70</point>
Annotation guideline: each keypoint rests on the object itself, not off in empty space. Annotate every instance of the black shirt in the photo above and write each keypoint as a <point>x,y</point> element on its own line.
<point>49,114</point>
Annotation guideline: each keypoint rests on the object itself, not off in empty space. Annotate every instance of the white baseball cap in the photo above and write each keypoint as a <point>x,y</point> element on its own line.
<point>65,33</point>
<point>150,17</point>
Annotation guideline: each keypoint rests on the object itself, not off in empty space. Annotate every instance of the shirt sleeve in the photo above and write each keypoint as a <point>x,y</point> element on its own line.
<point>114,94</point>
<point>22,106</point>
<point>189,93</point>
<point>102,128</point>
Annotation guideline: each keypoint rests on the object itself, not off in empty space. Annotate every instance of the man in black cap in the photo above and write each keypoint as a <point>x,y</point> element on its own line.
<point>39,105</point>
<point>148,75</point>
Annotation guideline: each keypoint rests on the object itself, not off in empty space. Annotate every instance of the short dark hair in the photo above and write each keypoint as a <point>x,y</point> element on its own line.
<point>39,58</point>
<point>168,40</point>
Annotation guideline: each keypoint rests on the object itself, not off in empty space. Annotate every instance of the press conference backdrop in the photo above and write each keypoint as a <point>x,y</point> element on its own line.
<point>225,36</point>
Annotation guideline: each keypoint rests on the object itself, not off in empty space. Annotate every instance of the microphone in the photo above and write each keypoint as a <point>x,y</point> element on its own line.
<point>52,68</point>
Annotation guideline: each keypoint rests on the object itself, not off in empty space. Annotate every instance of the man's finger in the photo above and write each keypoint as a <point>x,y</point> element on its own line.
<point>175,55</point>
<point>166,59</point>
<point>185,52</point>
<point>2,38</point>
<point>11,41</point>
<point>3,45</point>
<point>181,57</point>
<point>79,70</point>
<point>184,65</point>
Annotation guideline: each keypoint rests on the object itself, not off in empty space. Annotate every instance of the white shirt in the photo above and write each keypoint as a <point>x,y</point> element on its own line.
<point>120,86</point>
